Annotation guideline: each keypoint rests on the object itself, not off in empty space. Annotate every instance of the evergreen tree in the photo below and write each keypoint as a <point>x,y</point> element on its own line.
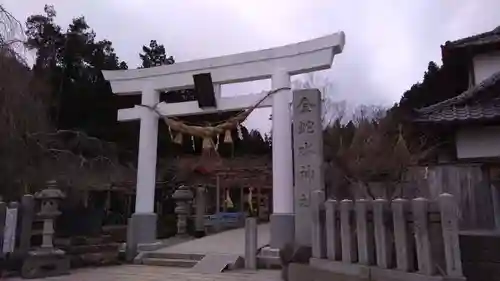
<point>155,55</point>
<point>71,62</point>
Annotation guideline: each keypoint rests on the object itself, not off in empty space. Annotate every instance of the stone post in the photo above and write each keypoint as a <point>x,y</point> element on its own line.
<point>332,230</point>
<point>449,222</point>
<point>404,253</point>
<point>218,224</point>
<point>200,211</point>
<point>27,216</point>
<point>349,252</point>
<point>3,213</point>
<point>182,196</point>
<point>131,245</point>
<point>317,224</point>
<point>251,243</point>
<point>382,239</point>
<point>364,233</point>
<point>422,238</point>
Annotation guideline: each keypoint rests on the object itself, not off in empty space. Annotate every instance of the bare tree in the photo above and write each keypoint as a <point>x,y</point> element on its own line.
<point>11,35</point>
<point>367,157</point>
<point>363,113</point>
<point>332,111</point>
<point>375,160</point>
<point>32,150</point>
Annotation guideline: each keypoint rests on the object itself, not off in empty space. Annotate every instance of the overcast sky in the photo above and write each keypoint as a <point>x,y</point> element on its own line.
<point>388,42</point>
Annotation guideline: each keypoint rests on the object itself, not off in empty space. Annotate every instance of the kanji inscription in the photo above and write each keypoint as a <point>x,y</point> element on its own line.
<point>305,105</point>
<point>306,149</point>
<point>306,172</point>
<point>306,127</point>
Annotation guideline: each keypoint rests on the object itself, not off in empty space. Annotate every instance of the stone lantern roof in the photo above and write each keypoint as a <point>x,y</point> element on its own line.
<point>51,192</point>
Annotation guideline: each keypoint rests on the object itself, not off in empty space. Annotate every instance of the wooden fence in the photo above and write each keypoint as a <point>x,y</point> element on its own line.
<point>477,198</point>
<point>468,183</point>
<point>382,240</point>
<point>16,220</point>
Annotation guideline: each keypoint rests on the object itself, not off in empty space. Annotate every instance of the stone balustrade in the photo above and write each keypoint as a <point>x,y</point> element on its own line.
<point>377,239</point>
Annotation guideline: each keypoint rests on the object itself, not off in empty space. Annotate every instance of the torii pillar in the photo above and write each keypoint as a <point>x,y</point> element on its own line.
<point>276,63</point>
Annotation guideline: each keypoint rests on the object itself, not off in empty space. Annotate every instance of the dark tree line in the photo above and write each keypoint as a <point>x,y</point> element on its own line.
<point>438,84</point>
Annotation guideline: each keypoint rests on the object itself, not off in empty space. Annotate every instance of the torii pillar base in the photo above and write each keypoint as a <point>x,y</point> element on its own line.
<point>143,232</point>
<point>282,230</point>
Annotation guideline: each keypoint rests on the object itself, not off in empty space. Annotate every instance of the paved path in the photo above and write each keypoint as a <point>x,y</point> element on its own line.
<point>227,242</point>
<point>158,273</point>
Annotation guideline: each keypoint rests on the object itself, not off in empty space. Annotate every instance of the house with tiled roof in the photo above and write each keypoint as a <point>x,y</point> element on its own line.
<point>470,125</point>
<point>473,115</point>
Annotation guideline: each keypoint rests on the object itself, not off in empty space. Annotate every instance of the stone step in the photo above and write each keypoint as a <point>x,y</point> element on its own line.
<point>216,263</point>
<point>94,259</point>
<point>83,249</point>
<point>174,256</point>
<point>169,262</point>
<point>268,258</point>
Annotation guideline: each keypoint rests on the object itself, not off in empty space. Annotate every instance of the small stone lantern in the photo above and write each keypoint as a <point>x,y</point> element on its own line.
<point>47,260</point>
<point>49,211</point>
<point>182,197</point>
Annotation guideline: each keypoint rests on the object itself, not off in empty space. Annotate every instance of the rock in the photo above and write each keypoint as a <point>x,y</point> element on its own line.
<point>293,253</point>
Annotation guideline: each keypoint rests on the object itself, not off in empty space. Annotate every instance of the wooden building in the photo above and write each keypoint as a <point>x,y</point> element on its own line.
<point>468,161</point>
<point>238,184</point>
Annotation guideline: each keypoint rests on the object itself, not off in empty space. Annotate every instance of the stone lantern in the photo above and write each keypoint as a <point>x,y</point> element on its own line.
<point>182,197</point>
<point>49,210</point>
<point>47,260</point>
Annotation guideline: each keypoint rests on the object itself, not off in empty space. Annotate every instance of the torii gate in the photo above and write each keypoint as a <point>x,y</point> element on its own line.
<point>275,63</point>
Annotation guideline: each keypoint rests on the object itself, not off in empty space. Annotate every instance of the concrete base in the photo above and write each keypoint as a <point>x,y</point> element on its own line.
<point>357,272</point>
<point>143,228</point>
<point>149,246</point>
<point>45,263</point>
<point>304,272</point>
<point>282,230</point>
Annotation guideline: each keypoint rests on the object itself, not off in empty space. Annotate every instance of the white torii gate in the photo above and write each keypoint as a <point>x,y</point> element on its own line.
<point>275,63</point>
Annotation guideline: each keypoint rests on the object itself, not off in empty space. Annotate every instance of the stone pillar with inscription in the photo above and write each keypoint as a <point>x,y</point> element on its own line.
<point>308,158</point>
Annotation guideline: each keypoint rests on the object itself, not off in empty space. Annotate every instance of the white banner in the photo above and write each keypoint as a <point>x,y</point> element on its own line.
<point>9,238</point>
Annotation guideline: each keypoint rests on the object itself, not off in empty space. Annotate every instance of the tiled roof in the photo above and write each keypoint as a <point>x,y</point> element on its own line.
<point>481,102</point>
<point>489,37</point>
<point>464,113</point>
